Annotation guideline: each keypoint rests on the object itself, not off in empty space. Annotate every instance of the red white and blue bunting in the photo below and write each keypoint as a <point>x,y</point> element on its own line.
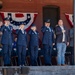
<point>69,18</point>
<point>16,18</point>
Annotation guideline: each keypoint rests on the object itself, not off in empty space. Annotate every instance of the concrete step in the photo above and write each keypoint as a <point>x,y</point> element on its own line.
<point>38,70</point>
<point>53,70</point>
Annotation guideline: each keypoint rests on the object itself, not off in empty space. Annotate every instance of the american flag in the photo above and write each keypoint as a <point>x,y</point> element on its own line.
<point>16,18</point>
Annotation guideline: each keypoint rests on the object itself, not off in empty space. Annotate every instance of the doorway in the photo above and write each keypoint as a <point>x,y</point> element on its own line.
<point>51,12</point>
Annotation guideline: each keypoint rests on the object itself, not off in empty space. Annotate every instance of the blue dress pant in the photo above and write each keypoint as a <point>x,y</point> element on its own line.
<point>33,55</point>
<point>21,54</point>
<point>7,54</point>
<point>47,54</point>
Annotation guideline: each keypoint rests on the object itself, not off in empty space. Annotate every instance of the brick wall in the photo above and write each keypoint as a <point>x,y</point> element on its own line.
<point>37,6</point>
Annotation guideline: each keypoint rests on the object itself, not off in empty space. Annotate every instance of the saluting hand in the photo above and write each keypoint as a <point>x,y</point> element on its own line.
<point>63,31</point>
<point>20,27</point>
<point>6,24</point>
<point>46,25</point>
<point>31,28</point>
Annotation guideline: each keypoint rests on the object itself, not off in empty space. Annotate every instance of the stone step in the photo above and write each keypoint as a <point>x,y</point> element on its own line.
<point>53,70</point>
<point>38,70</point>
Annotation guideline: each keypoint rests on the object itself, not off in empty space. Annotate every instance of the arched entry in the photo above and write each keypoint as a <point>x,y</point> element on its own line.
<point>52,12</point>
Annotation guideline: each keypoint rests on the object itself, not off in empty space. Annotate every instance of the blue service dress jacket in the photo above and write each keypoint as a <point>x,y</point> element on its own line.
<point>7,36</point>
<point>48,35</point>
<point>22,37</point>
<point>34,38</point>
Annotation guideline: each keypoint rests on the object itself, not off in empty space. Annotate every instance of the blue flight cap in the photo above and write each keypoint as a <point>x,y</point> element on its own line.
<point>47,20</point>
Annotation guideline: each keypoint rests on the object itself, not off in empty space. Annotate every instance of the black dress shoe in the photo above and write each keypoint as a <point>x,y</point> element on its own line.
<point>9,65</point>
<point>5,65</point>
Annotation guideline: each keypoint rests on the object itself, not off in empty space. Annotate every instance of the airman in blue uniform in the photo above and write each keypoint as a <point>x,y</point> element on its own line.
<point>33,45</point>
<point>21,44</point>
<point>47,41</point>
<point>7,41</point>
